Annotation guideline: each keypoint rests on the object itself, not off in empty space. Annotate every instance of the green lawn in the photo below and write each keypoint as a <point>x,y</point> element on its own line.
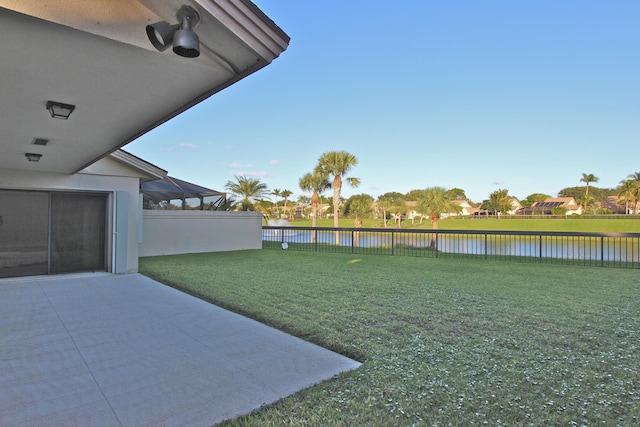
<point>442,341</point>
<point>581,224</point>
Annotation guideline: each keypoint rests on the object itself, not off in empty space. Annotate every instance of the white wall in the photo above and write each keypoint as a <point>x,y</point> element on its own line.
<point>28,180</point>
<point>179,232</point>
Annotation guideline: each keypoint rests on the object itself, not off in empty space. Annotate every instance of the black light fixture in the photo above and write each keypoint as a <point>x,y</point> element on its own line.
<point>185,41</point>
<point>58,110</point>
<point>33,157</point>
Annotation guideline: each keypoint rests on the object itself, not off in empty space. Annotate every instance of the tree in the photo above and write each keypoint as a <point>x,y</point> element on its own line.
<point>276,192</point>
<point>385,205</point>
<point>635,178</point>
<point>393,203</point>
<point>588,178</point>
<point>358,206</point>
<point>578,192</point>
<point>249,190</point>
<point>316,182</point>
<point>457,194</point>
<point>303,199</point>
<point>285,195</point>
<point>434,201</point>
<point>337,164</point>
<point>499,201</point>
<point>263,206</point>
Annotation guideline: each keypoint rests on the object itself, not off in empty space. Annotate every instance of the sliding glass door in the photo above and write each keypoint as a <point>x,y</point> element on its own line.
<point>51,233</point>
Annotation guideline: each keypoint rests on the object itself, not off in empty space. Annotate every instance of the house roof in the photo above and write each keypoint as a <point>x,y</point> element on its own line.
<point>95,54</point>
<point>553,202</point>
<point>148,169</point>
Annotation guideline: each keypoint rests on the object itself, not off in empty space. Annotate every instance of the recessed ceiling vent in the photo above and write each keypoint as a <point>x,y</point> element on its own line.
<point>40,141</point>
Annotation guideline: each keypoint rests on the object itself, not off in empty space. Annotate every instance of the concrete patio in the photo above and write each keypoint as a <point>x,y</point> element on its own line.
<point>124,350</point>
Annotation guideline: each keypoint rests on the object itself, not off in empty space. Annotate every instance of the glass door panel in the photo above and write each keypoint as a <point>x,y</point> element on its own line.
<point>78,223</point>
<point>24,233</point>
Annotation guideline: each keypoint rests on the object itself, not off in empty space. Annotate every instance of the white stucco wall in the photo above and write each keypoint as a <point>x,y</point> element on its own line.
<point>179,232</point>
<point>84,181</point>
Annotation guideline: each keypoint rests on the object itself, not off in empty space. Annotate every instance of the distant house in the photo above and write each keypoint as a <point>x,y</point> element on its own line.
<point>515,206</point>
<point>549,204</point>
<point>465,209</point>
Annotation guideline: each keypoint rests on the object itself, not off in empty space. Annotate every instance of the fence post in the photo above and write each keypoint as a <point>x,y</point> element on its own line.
<point>353,241</point>
<point>393,246</point>
<point>486,246</point>
<point>601,251</point>
<point>540,248</point>
<point>436,248</point>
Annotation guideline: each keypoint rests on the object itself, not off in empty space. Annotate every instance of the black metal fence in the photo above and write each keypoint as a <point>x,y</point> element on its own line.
<point>620,250</point>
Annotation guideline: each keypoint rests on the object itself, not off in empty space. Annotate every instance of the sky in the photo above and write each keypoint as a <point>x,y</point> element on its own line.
<point>479,95</point>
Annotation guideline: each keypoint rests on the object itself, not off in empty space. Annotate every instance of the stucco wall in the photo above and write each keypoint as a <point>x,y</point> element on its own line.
<point>179,232</point>
<point>29,180</point>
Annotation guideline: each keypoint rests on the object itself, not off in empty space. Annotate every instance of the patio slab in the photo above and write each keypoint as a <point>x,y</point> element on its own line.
<point>123,350</point>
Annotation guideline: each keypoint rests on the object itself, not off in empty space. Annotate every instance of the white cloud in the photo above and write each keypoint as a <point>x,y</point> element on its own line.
<point>260,174</point>
<point>274,162</point>
<point>188,145</point>
<point>236,165</point>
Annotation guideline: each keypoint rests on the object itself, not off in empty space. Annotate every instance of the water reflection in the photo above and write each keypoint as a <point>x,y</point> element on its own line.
<point>582,248</point>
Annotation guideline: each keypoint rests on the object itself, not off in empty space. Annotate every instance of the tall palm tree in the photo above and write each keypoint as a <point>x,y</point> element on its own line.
<point>316,182</point>
<point>276,192</point>
<point>588,178</point>
<point>337,164</point>
<point>434,201</point>
<point>249,190</point>
<point>285,196</point>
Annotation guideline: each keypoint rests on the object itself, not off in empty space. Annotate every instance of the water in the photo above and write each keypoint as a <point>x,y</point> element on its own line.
<point>618,249</point>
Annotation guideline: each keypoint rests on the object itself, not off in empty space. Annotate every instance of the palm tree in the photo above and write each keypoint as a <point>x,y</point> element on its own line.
<point>264,207</point>
<point>276,192</point>
<point>499,201</point>
<point>628,189</point>
<point>385,205</point>
<point>249,190</point>
<point>285,196</point>
<point>588,178</point>
<point>434,201</point>
<point>337,164</point>
<point>317,182</point>
<point>635,177</point>
<point>388,201</point>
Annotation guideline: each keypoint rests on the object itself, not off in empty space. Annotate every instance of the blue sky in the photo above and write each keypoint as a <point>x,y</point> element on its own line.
<point>479,95</point>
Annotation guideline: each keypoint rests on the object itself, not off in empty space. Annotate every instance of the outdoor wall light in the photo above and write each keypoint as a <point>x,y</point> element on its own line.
<point>185,41</point>
<point>33,157</point>
<point>59,110</point>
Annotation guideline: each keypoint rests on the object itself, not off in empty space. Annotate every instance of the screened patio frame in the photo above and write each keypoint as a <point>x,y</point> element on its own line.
<point>170,188</point>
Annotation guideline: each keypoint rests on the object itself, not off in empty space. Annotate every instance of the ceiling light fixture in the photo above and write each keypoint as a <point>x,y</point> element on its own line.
<point>185,41</point>
<point>40,141</point>
<point>33,157</point>
<point>58,110</point>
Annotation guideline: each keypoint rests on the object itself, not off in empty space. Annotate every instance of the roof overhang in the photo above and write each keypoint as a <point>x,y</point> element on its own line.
<point>95,55</point>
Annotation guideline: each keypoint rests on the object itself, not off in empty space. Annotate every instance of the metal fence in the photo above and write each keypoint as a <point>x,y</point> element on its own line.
<point>621,250</point>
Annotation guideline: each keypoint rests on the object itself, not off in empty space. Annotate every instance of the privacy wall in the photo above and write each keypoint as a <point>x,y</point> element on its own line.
<point>181,232</point>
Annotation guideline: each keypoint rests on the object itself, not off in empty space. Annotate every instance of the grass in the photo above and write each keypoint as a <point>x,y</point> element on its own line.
<point>442,341</point>
<point>580,224</point>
